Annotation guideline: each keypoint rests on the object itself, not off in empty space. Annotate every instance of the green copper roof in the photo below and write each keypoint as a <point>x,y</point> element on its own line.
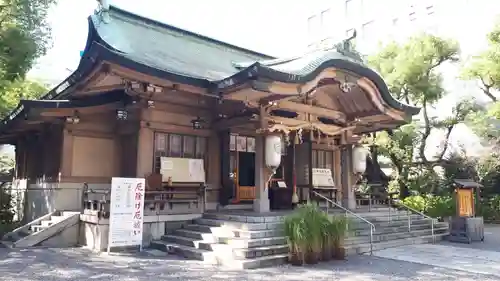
<point>168,48</point>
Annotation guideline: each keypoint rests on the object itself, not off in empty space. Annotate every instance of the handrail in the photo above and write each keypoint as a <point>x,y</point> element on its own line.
<point>372,226</point>
<point>410,209</point>
<point>344,209</point>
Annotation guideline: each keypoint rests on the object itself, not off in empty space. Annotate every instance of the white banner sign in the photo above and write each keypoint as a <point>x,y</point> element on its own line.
<point>126,212</point>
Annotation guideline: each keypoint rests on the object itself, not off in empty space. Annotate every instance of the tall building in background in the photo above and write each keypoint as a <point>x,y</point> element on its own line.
<point>378,22</point>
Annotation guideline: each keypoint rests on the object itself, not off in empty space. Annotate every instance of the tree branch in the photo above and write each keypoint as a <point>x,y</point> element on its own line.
<point>486,89</point>
<point>449,129</point>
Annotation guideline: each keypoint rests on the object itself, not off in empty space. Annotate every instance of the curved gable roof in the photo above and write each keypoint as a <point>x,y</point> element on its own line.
<point>169,48</point>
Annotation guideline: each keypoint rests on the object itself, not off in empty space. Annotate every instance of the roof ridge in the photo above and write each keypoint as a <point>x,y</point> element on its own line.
<point>187,32</point>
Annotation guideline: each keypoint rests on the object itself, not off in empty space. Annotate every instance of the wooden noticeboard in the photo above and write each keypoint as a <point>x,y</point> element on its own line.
<point>322,178</point>
<point>465,201</point>
<point>182,169</point>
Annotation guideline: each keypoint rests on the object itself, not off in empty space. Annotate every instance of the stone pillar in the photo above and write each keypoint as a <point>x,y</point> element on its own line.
<point>348,196</point>
<point>261,203</point>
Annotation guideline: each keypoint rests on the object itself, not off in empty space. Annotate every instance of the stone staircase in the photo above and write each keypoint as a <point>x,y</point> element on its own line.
<point>40,230</point>
<point>245,241</point>
<point>235,241</point>
<point>393,228</point>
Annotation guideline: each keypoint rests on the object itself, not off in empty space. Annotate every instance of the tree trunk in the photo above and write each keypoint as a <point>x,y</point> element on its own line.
<point>404,191</point>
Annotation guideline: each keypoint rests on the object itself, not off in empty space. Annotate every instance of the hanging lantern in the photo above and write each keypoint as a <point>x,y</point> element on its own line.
<point>273,151</point>
<point>359,154</point>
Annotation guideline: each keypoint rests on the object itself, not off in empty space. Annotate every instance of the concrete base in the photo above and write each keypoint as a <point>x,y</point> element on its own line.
<point>44,198</point>
<point>94,231</point>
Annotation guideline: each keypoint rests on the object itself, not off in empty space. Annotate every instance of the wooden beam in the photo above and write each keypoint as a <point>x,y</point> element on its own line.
<point>233,122</point>
<point>63,112</point>
<point>314,110</point>
<point>133,75</point>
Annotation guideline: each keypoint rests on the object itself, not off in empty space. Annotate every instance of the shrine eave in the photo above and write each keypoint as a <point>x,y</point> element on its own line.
<point>309,73</point>
<point>35,107</point>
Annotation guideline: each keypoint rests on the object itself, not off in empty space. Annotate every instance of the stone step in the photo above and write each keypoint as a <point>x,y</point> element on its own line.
<point>260,251</point>
<point>393,236</point>
<point>184,251</point>
<point>227,252</point>
<point>47,223</point>
<point>194,234</point>
<point>232,232</point>
<point>395,218</point>
<point>209,257</point>
<point>365,247</point>
<point>56,219</point>
<point>361,225</point>
<point>369,213</point>
<point>395,228</point>
<point>185,241</point>
<point>39,227</point>
<point>240,243</point>
<point>238,225</point>
<point>68,213</point>
<point>244,218</point>
<point>203,228</point>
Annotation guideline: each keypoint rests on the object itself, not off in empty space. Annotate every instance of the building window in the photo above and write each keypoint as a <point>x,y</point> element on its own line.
<point>412,15</point>
<point>367,30</point>
<point>349,8</point>
<point>326,23</point>
<point>322,159</point>
<point>429,10</point>
<point>175,145</point>
<point>312,26</point>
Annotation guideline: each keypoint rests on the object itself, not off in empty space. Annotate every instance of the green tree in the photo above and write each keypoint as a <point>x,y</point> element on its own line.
<point>17,90</point>
<point>485,67</point>
<point>24,35</point>
<point>411,72</point>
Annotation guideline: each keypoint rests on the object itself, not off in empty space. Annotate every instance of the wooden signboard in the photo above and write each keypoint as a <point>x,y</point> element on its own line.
<point>322,178</point>
<point>465,201</point>
<point>182,169</point>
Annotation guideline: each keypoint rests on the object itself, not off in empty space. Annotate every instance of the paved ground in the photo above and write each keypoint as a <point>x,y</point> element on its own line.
<point>479,257</point>
<point>430,263</point>
<point>78,264</point>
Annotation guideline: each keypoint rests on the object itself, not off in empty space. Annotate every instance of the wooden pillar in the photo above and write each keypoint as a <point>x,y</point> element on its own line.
<point>337,173</point>
<point>348,197</point>
<point>145,155</point>
<point>261,203</point>
<point>226,189</point>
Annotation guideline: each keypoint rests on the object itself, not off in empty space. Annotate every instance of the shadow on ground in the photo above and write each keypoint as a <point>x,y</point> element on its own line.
<point>79,264</point>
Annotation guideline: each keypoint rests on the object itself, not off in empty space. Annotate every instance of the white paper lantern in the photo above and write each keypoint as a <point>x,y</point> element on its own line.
<point>359,155</point>
<point>273,151</point>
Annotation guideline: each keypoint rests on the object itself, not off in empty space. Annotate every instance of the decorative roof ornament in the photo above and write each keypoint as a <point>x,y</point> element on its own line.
<point>346,48</point>
<point>103,10</point>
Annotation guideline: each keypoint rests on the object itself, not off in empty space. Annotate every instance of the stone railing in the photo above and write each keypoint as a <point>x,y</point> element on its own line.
<point>173,200</point>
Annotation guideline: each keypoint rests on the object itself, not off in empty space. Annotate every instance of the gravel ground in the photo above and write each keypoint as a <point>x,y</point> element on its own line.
<point>79,264</point>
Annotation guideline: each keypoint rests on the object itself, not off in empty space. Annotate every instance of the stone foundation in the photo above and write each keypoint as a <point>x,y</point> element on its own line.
<point>94,231</point>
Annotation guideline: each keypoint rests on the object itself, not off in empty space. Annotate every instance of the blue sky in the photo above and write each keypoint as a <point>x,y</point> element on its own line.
<point>272,27</point>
